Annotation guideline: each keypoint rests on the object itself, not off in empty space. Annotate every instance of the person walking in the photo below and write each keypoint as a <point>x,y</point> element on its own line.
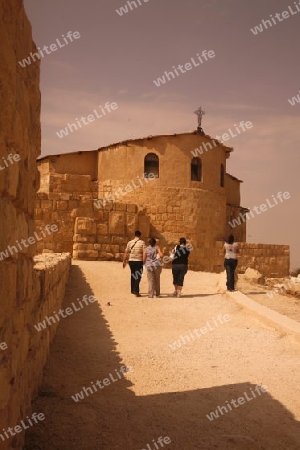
<point>134,255</point>
<point>152,261</point>
<point>179,265</point>
<point>231,250</point>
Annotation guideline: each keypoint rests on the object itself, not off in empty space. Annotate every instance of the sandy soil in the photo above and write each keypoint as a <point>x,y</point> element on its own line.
<point>168,392</point>
<point>287,305</point>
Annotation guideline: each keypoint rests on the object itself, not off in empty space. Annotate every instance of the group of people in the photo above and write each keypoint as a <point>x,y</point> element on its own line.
<point>138,255</point>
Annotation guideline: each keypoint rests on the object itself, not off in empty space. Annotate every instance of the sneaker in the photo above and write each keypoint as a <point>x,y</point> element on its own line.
<point>174,294</point>
<point>178,294</point>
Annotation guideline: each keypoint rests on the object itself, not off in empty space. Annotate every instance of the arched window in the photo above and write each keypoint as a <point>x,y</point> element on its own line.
<point>222,175</point>
<point>151,165</point>
<point>196,169</point>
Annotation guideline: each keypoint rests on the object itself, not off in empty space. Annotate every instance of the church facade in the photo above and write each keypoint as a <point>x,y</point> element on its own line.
<point>167,186</point>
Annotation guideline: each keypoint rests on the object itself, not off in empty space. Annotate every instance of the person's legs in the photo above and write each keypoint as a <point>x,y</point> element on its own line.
<point>174,272</point>
<point>182,270</point>
<point>157,273</point>
<point>151,281</point>
<point>139,271</point>
<point>230,265</point>
<point>235,263</point>
<point>136,268</point>
<point>228,273</point>
<point>132,271</point>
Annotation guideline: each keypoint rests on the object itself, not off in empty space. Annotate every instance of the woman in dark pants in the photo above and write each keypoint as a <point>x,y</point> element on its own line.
<point>231,250</point>
<point>179,266</point>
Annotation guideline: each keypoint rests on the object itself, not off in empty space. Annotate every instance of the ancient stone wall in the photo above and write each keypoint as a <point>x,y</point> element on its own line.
<point>269,259</point>
<point>26,294</point>
<point>239,231</point>
<point>27,349</point>
<point>76,163</point>
<point>19,141</point>
<point>69,196</point>
<point>104,237</point>
<point>174,204</point>
<point>123,163</point>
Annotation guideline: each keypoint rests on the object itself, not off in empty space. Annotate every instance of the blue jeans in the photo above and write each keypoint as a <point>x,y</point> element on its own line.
<point>230,266</point>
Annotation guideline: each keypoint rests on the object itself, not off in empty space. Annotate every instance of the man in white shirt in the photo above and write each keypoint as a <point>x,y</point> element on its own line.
<point>134,256</point>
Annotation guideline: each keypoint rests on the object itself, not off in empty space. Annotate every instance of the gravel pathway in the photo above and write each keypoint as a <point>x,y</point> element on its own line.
<point>168,364</point>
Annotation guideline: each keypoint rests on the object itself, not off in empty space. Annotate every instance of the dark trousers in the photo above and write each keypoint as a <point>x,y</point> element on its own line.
<point>136,269</point>
<point>230,266</point>
<point>179,271</point>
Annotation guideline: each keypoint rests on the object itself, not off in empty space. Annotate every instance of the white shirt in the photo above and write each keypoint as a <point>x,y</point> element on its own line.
<point>231,250</point>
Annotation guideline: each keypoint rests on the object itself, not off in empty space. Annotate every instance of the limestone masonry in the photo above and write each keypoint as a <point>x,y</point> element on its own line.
<point>27,292</point>
<point>98,198</point>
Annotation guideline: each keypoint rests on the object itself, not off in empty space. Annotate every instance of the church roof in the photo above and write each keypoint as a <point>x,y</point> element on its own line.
<point>128,141</point>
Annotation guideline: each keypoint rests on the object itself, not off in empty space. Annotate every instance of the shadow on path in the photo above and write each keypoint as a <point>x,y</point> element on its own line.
<point>114,418</point>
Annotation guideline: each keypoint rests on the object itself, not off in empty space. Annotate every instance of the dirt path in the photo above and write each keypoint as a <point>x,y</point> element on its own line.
<point>174,384</point>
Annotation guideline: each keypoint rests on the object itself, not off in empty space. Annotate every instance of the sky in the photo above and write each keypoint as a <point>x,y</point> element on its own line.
<point>117,56</point>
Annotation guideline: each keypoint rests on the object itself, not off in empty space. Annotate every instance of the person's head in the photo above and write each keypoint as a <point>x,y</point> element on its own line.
<point>230,239</point>
<point>182,241</point>
<point>137,233</point>
<point>152,242</point>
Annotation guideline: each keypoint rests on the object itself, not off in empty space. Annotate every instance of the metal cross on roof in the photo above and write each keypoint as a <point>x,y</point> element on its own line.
<point>200,113</point>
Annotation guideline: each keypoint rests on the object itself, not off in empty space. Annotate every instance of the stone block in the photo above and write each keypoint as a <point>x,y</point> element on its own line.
<point>144,226</point>
<point>73,204</point>
<point>61,205</point>
<point>131,223</point>
<point>117,223</point>
<point>46,204</point>
<point>64,196</point>
<point>80,238</point>
<point>131,208</point>
<point>104,256</point>
<point>120,206</point>
<point>85,226</point>
<point>103,239</point>
<point>102,228</point>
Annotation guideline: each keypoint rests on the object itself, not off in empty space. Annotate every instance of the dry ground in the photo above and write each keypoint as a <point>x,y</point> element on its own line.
<point>168,392</point>
<point>287,305</point>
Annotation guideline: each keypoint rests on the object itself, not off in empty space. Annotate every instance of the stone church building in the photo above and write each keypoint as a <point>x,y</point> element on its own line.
<point>156,184</point>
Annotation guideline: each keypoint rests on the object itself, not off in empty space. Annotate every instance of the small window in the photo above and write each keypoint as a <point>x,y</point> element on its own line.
<point>222,175</point>
<point>151,165</point>
<point>196,169</point>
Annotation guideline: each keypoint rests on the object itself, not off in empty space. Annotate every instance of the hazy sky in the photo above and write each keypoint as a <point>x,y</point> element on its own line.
<point>250,78</point>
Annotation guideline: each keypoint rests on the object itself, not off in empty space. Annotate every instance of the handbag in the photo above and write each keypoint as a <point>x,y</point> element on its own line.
<point>173,253</point>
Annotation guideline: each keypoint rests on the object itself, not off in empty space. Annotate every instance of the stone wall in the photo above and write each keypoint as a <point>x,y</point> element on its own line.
<point>172,203</point>
<point>104,238</point>
<point>27,349</point>
<point>26,294</point>
<point>19,137</point>
<point>69,196</point>
<point>269,259</point>
<point>92,229</point>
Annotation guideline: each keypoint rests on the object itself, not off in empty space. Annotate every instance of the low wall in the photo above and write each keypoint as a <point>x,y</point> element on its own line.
<point>269,259</point>
<point>70,196</point>
<point>26,350</point>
